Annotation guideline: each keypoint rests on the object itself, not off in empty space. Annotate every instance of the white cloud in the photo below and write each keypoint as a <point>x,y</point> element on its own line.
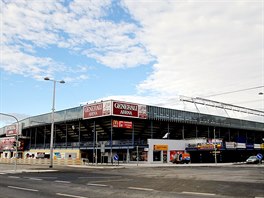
<point>80,26</point>
<point>201,47</point>
<point>17,62</point>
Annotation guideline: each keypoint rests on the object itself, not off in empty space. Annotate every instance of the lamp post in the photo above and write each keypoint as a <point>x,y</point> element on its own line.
<point>52,118</point>
<point>17,131</point>
<point>215,148</point>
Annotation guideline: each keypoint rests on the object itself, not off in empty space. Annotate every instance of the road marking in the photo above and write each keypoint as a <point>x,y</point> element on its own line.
<point>59,181</point>
<point>99,177</point>
<point>14,177</point>
<point>67,195</point>
<point>48,177</point>
<point>20,188</point>
<point>113,180</point>
<point>136,188</point>
<point>2,173</point>
<point>33,178</point>
<point>259,197</point>
<point>100,185</point>
<point>197,193</point>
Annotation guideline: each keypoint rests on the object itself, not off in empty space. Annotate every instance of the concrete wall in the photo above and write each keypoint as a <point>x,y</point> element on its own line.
<point>57,153</point>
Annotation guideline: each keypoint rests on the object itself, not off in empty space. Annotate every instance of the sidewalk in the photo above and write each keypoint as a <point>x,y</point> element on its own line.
<point>160,165</point>
<point>10,168</point>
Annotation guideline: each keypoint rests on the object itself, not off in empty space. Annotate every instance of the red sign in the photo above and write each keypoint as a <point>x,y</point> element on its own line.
<point>11,130</point>
<point>97,109</point>
<point>118,108</point>
<point>93,110</point>
<point>7,143</point>
<point>122,124</point>
<point>125,109</point>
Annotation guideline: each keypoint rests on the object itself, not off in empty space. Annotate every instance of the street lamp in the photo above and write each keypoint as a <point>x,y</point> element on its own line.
<point>52,118</point>
<point>215,157</point>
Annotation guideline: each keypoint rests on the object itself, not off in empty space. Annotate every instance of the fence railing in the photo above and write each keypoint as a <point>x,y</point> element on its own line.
<point>115,143</point>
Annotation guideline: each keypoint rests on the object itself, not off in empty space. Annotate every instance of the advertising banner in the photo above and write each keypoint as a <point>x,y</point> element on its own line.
<point>122,124</point>
<point>175,154</point>
<point>11,130</point>
<point>250,146</point>
<point>240,145</point>
<point>97,110</point>
<point>7,143</point>
<point>160,147</point>
<point>114,108</point>
<point>125,109</point>
<point>205,146</point>
<point>142,111</point>
<point>230,145</point>
<point>129,109</point>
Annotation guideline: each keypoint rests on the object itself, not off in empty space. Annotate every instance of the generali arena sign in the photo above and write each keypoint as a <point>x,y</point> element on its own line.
<point>125,109</point>
<point>129,110</point>
<point>11,130</point>
<point>97,110</point>
<point>116,108</point>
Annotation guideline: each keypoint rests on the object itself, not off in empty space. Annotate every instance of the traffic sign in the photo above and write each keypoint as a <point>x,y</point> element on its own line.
<point>259,156</point>
<point>116,157</point>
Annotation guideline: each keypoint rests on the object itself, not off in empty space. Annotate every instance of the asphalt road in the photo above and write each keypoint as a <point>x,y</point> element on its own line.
<point>135,182</point>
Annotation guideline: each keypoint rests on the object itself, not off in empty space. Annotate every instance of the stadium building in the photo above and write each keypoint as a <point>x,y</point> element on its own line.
<point>110,131</point>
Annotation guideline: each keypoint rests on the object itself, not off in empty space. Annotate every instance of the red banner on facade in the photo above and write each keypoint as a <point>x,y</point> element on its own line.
<point>117,108</point>
<point>122,124</point>
<point>125,109</point>
<point>93,110</point>
<point>11,130</point>
<point>97,110</point>
<point>7,143</point>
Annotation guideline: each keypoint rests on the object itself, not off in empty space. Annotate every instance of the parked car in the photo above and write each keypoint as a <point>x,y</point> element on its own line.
<point>252,160</point>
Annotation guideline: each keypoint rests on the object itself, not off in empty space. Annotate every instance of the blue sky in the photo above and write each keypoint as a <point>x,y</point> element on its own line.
<point>144,51</point>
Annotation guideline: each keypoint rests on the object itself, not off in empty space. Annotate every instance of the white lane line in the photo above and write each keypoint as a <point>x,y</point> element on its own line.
<point>100,185</point>
<point>35,179</point>
<point>259,197</point>
<point>2,173</point>
<point>136,188</point>
<point>48,177</point>
<point>197,193</point>
<point>20,188</point>
<point>99,177</point>
<point>67,195</point>
<point>13,177</point>
<point>60,181</point>
<point>113,180</point>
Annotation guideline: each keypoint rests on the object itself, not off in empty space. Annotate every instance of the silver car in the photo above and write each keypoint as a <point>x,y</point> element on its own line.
<point>252,160</point>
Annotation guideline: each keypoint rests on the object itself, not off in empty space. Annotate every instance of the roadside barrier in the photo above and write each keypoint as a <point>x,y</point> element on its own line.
<point>42,161</point>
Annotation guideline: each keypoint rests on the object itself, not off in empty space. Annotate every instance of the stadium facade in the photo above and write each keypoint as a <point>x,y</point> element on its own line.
<point>105,131</point>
